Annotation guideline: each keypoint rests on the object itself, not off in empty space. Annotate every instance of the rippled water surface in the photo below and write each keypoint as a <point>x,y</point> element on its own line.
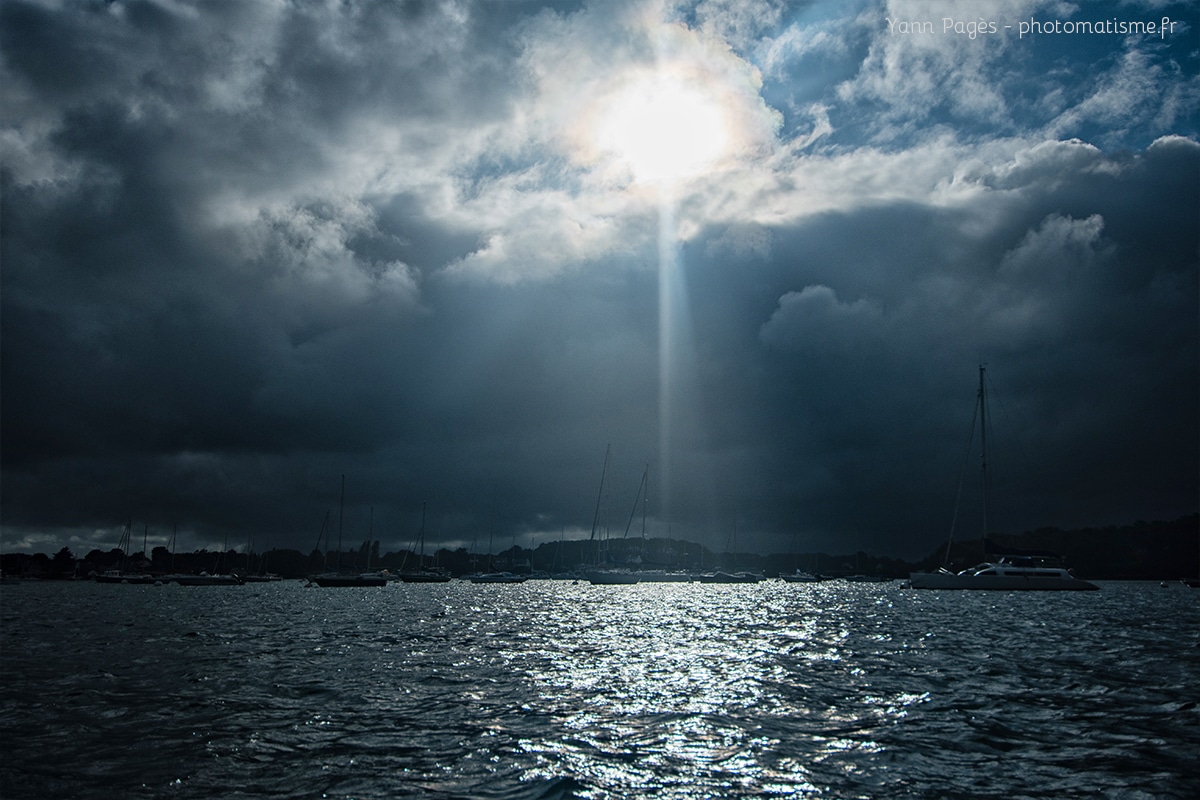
<point>553,689</point>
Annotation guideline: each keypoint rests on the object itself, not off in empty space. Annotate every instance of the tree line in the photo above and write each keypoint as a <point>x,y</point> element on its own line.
<point>1159,550</point>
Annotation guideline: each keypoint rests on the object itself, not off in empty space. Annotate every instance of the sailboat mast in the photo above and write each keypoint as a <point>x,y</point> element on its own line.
<point>341,510</point>
<point>324,534</point>
<point>645,497</point>
<point>491,538</point>
<point>125,545</point>
<point>983,446</point>
<point>422,537</point>
<point>633,511</point>
<point>600,494</point>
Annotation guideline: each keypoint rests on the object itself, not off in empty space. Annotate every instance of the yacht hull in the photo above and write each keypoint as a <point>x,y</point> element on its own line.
<point>424,577</point>
<point>203,580</point>
<point>497,577</point>
<point>340,581</point>
<point>937,580</point>
<point>612,578</point>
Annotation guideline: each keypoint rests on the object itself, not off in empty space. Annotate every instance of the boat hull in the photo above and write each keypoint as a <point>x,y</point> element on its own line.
<point>127,577</point>
<point>338,581</point>
<point>662,576</point>
<point>203,580</point>
<point>800,577</point>
<point>424,577</point>
<point>498,577</point>
<point>728,577</point>
<point>1007,583</point>
<point>612,578</point>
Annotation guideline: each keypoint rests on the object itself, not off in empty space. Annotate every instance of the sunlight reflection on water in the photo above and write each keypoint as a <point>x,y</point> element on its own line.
<point>555,689</point>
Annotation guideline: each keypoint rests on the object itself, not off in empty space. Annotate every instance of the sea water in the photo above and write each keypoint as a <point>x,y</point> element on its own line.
<point>554,689</point>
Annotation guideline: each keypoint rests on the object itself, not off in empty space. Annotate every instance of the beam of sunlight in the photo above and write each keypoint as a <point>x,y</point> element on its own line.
<point>675,353</point>
<point>667,296</point>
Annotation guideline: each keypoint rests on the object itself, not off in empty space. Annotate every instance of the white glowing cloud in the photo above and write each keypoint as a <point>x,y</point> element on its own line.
<point>663,127</point>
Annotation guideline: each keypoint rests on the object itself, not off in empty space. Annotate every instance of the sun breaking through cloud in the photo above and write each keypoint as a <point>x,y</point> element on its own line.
<point>663,127</point>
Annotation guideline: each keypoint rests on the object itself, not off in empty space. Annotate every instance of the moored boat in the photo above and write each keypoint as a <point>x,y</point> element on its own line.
<point>1015,570</point>
<point>203,579</point>
<point>611,577</point>
<point>423,574</point>
<point>799,576</point>
<point>498,577</point>
<point>728,577</point>
<point>122,576</point>
<point>337,579</point>
<point>663,576</point>
<point>1007,573</point>
<point>860,578</point>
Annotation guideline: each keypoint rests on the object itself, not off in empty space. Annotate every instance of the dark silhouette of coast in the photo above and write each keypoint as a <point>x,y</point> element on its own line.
<point>1159,550</point>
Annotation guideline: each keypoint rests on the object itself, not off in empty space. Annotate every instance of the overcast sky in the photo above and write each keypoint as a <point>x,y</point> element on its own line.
<point>455,250</point>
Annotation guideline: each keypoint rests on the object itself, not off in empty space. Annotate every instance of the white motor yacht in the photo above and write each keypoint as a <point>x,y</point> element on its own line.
<point>1006,573</point>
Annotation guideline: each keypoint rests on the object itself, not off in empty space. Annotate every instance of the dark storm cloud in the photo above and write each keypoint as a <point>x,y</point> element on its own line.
<point>249,248</point>
<point>1077,288</point>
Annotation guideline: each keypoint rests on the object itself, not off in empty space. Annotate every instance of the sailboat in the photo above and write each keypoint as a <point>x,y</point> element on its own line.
<point>204,579</point>
<point>257,573</point>
<point>803,576</point>
<point>122,575</point>
<point>644,574</point>
<point>799,575</point>
<point>1011,570</point>
<point>498,577</point>
<point>492,576</point>
<point>724,576</point>
<point>605,574</point>
<point>422,574</point>
<point>337,578</point>
<point>214,578</point>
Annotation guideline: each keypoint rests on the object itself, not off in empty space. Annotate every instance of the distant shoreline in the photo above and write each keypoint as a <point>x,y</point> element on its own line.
<point>1141,551</point>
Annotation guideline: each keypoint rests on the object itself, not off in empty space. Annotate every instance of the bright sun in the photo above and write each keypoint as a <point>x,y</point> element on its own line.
<point>664,128</point>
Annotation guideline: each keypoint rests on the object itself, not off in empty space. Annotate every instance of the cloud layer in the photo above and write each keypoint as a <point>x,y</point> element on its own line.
<point>248,248</point>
